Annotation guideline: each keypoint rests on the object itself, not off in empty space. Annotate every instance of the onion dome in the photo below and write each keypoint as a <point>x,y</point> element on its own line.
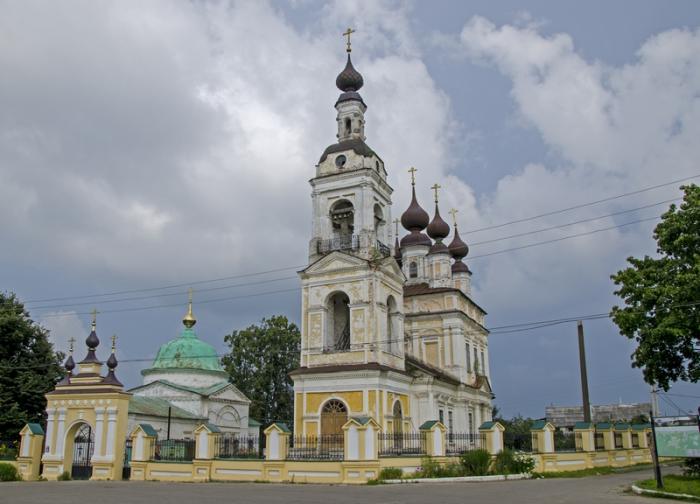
<point>415,218</point>
<point>112,364</point>
<point>349,80</point>
<point>69,366</point>
<point>438,229</point>
<point>92,341</point>
<point>458,250</point>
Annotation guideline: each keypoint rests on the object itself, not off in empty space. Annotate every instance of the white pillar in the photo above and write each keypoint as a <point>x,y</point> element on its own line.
<point>139,448</point>
<point>60,432</point>
<point>25,444</point>
<point>51,413</point>
<point>99,432</point>
<point>111,432</point>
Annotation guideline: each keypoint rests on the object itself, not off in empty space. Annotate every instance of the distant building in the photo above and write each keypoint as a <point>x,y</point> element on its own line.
<point>566,416</point>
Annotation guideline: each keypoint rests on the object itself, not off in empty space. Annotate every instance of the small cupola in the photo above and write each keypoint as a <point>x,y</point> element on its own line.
<point>415,219</point>
<point>438,229</point>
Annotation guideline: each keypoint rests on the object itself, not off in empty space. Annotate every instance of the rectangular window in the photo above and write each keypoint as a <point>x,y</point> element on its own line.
<point>469,359</point>
<point>442,416</point>
<point>483,363</point>
<point>476,361</point>
<point>471,423</point>
<point>449,422</point>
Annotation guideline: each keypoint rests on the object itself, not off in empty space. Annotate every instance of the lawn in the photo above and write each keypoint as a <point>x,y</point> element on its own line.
<point>675,484</point>
<point>595,471</point>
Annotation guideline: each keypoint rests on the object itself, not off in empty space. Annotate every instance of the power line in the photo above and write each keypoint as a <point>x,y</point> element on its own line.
<point>583,205</point>
<point>246,275</point>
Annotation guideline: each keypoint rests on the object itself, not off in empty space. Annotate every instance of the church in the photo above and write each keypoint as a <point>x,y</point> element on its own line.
<point>390,333</point>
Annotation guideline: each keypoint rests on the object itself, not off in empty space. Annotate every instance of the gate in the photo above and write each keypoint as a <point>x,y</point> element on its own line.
<point>126,468</point>
<point>83,446</point>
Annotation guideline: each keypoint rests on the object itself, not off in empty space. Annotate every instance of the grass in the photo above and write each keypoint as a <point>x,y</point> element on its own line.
<point>675,484</point>
<point>595,471</point>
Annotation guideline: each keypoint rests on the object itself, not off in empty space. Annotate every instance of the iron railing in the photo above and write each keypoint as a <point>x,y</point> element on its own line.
<point>9,449</point>
<point>564,441</point>
<point>395,444</point>
<point>518,442</point>
<point>126,466</point>
<point>343,242</point>
<point>458,443</point>
<point>233,445</point>
<point>324,447</point>
<point>173,450</point>
<point>383,249</point>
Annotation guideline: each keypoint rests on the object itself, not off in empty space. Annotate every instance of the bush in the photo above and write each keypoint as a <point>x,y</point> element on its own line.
<point>510,462</point>
<point>430,468</point>
<point>8,451</point>
<point>475,462</point>
<point>8,472</point>
<point>691,467</point>
<point>390,473</point>
<point>64,476</point>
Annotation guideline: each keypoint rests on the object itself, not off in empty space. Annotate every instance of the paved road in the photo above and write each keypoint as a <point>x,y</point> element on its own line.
<point>595,489</point>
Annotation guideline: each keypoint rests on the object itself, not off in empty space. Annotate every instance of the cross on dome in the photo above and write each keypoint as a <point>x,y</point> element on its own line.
<point>347,34</point>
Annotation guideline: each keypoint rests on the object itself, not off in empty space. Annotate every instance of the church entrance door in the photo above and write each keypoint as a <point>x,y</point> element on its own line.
<point>83,447</point>
<point>333,416</point>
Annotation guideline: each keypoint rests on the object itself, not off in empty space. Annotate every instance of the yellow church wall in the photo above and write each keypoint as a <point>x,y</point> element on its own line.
<point>314,400</point>
<point>298,408</point>
<point>311,428</point>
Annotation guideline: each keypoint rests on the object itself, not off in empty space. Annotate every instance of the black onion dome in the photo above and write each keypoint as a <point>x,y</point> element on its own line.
<point>69,364</point>
<point>439,248</point>
<point>458,248</point>
<point>112,361</point>
<point>460,267</point>
<point>438,228</point>
<point>92,341</point>
<point>414,218</point>
<point>416,238</point>
<point>349,79</point>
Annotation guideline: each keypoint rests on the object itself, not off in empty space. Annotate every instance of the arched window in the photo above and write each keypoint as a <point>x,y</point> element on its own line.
<point>342,216</point>
<point>333,416</point>
<point>348,126</point>
<point>398,417</point>
<point>379,221</point>
<point>392,336</point>
<point>338,332</point>
<point>413,270</point>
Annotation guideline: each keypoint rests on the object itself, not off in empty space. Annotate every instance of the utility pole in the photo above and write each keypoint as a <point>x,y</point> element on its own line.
<point>654,401</point>
<point>584,374</point>
<point>655,453</point>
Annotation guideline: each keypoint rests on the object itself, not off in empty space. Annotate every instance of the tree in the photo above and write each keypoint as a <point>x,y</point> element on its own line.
<point>662,298</point>
<point>260,360</point>
<point>29,368</point>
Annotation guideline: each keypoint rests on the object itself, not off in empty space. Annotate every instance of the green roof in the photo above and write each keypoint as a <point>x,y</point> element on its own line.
<point>187,352</point>
<point>212,427</point>
<point>428,425</point>
<point>641,426</point>
<point>622,426</point>
<point>487,425</point>
<point>603,426</point>
<point>35,428</point>
<point>283,426</point>
<point>253,423</point>
<point>362,420</point>
<point>148,429</point>
<point>583,425</point>
<point>538,425</point>
<point>155,406</point>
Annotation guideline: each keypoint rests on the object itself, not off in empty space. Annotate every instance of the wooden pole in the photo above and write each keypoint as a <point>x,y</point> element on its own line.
<point>584,374</point>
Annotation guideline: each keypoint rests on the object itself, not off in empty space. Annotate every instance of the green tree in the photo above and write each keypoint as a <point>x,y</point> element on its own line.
<point>29,367</point>
<point>259,362</point>
<point>662,298</point>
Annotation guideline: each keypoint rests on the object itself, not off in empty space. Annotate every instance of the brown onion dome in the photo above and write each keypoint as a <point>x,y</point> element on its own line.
<point>112,364</point>
<point>460,267</point>
<point>69,366</point>
<point>458,249</point>
<point>349,80</point>
<point>92,342</point>
<point>416,238</point>
<point>414,218</point>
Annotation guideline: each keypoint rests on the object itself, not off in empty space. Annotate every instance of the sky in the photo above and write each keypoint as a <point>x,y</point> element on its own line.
<point>169,144</point>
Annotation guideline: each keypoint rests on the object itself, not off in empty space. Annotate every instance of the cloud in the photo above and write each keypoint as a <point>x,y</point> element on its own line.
<point>62,326</point>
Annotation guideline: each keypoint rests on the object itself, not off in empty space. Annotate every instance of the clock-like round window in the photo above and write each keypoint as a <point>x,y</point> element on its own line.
<point>340,161</point>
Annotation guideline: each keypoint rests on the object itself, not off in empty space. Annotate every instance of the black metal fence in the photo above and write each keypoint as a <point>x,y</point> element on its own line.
<point>343,242</point>
<point>324,447</point>
<point>458,443</point>
<point>9,449</point>
<point>564,441</point>
<point>396,444</point>
<point>234,445</point>
<point>518,442</point>
<point>126,466</point>
<point>173,450</point>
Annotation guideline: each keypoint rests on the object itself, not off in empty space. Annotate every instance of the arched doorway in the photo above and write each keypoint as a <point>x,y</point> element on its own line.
<point>338,335</point>
<point>83,448</point>
<point>333,416</point>
<point>398,417</point>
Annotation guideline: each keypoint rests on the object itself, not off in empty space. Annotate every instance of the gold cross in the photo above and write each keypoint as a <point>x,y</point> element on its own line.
<point>347,34</point>
<point>114,342</point>
<point>454,216</point>
<point>70,343</point>
<point>396,223</point>
<point>94,317</point>
<point>413,171</point>
<point>435,188</point>
<point>189,294</point>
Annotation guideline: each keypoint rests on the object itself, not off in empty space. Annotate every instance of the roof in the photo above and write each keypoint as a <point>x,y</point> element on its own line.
<point>362,420</point>
<point>253,423</point>
<point>538,425</point>
<point>334,368</point>
<point>155,406</point>
<point>354,144</point>
<point>622,426</point>
<point>429,424</point>
<point>639,427</point>
<point>203,391</point>
<point>432,370</point>
<point>603,425</point>
<point>487,425</point>
<point>583,425</point>
<point>187,351</point>
<point>148,429</point>
<point>35,428</point>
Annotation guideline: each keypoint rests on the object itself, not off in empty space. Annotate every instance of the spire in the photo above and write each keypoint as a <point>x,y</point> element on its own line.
<point>349,80</point>
<point>415,219</point>
<point>458,249</point>
<point>438,229</point>
<point>189,321</point>
<point>92,341</point>
<point>112,364</point>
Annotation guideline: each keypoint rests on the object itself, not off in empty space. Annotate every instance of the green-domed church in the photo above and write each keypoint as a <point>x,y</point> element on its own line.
<point>187,383</point>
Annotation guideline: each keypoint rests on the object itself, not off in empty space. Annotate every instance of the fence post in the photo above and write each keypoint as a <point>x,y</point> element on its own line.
<point>543,437</point>
<point>434,438</point>
<point>626,435</point>
<point>206,436</point>
<point>605,428</point>
<point>29,456</point>
<point>585,430</point>
<point>277,441</point>
<point>641,431</point>
<point>493,432</point>
<point>143,438</point>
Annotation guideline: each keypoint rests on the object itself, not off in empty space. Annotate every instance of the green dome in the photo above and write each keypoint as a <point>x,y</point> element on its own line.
<point>187,352</point>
